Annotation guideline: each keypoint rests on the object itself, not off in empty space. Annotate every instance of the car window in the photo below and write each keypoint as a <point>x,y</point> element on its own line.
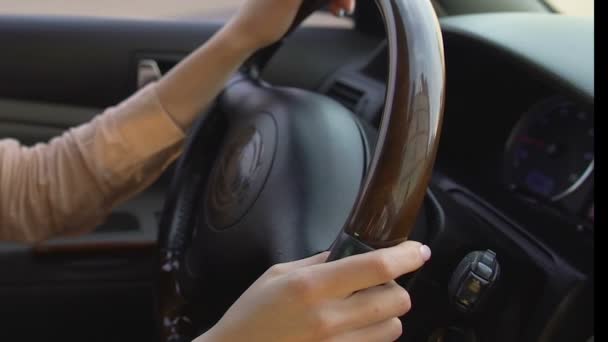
<point>574,7</point>
<point>216,10</point>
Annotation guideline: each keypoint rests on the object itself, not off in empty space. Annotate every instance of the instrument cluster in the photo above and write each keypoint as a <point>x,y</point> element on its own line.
<point>549,156</point>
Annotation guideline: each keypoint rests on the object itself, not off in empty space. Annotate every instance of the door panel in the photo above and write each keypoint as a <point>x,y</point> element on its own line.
<point>32,122</point>
<point>87,62</point>
<point>58,73</point>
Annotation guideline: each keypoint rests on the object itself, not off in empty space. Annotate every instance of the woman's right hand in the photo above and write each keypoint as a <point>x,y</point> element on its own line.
<point>352,299</point>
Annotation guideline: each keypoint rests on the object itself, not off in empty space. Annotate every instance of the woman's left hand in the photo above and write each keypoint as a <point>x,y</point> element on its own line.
<point>259,23</point>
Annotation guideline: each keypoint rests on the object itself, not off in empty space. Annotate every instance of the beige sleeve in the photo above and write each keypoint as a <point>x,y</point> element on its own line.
<point>69,185</point>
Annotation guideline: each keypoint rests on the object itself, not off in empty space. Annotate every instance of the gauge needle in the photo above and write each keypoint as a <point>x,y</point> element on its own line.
<point>532,141</point>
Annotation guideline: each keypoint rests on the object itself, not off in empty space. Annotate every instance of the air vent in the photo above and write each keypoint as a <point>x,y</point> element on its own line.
<point>346,94</point>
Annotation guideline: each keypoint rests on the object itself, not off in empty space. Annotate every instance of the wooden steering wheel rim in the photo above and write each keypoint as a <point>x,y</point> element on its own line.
<point>388,204</point>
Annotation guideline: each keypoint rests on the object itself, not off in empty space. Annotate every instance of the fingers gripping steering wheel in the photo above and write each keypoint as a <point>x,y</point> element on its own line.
<point>274,174</point>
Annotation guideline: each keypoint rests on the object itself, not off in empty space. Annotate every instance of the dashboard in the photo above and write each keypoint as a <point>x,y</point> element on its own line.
<point>518,130</point>
<point>520,136</point>
<point>517,152</point>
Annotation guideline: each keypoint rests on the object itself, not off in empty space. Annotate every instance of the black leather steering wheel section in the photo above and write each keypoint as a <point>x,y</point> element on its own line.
<point>316,154</point>
<point>279,189</point>
<point>273,174</point>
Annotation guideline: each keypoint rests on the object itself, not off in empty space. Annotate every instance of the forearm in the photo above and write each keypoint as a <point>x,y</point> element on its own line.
<point>191,85</point>
<point>69,185</point>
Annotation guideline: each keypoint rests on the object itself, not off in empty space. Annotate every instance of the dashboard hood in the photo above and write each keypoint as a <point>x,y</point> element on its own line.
<point>562,46</point>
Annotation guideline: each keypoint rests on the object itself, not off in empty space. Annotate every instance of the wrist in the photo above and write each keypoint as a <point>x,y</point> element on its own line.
<point>204,338</point>
<point>210,336</point>
<point>238,40</point>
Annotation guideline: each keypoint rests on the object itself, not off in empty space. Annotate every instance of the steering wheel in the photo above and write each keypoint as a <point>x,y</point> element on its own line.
<point>273,174</point>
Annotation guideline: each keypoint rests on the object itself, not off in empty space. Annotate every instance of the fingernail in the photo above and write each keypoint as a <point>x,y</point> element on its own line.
<point>425,251</point>
<point>341,12</point>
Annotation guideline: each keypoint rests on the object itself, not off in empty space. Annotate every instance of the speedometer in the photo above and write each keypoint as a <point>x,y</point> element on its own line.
<point>550,152</point>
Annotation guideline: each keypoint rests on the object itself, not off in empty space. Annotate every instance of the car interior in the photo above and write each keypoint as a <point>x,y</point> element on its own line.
<point>508,211</point>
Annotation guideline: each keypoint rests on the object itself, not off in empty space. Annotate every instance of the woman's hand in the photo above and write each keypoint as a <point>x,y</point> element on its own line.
<point>193,83</point>
<point>352,299</point>
<point>263,22</point>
